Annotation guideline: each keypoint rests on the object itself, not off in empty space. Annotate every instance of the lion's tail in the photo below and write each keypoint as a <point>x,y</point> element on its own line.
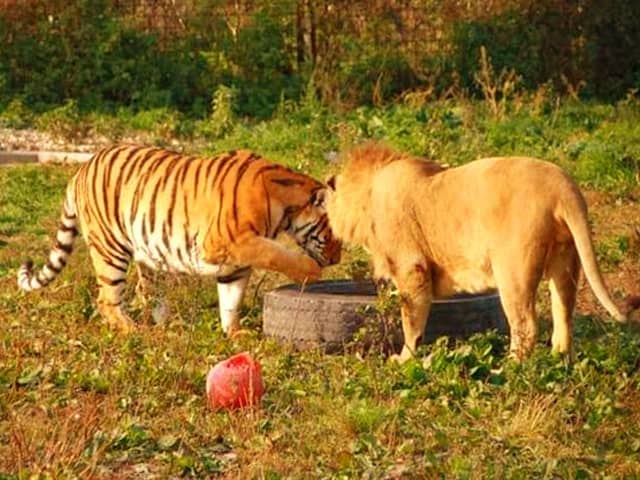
<point>575,216</point>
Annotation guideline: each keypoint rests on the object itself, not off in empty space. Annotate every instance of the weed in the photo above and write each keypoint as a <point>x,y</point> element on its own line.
<point>612,251</point>
<point>63,122</point>
<point>222,115</point>
<point>16,115</point>
<point>162,123</point>
<point>365,417</point>
<point>497,90</point>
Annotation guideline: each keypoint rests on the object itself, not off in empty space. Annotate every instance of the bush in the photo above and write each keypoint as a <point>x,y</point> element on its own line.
<point>265,70</point>
<point>16,115</point>
<point>97,60</point>
<point>222,115</point>
<point>63,122</point>
<point>107,55</point>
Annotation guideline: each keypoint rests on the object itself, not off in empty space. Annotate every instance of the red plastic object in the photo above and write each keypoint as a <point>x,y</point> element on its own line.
<point>235,383</point>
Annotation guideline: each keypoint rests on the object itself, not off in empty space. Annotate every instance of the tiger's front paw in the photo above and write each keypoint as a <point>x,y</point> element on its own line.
<point>309,271</point>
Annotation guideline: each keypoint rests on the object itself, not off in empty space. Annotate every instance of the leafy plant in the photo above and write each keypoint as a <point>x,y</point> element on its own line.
<point>222,117</point>
<point>612,251</point>
<point>16,114</point>
<point>64,122</point>
<point>497,89</point>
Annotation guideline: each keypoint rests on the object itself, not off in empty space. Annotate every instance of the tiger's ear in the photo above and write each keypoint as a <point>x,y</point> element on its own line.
<point>331,182</point>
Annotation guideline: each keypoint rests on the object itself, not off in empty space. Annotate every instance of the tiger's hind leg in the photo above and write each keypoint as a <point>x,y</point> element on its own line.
<point>147,295</point>
<point>111,277</point>
<point>231,289</point>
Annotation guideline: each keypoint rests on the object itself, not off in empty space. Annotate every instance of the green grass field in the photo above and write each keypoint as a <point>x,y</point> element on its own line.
<point>78,401</point>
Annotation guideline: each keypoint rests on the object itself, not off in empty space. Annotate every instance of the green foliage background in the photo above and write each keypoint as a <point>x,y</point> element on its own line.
<point>176,54</point>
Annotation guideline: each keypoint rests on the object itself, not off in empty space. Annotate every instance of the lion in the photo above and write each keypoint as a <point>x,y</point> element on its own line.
<point>496,223</point>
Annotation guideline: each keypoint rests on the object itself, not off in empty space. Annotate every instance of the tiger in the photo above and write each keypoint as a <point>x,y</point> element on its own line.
<point>165,211</point>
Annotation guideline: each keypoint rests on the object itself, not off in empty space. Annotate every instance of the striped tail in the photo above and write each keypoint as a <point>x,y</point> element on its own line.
<point>63,247</point>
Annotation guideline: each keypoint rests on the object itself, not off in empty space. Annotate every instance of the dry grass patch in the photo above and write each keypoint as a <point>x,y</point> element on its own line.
<point>58,440</point>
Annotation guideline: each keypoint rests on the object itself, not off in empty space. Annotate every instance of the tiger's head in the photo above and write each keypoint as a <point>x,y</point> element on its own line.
<point>308,225</point>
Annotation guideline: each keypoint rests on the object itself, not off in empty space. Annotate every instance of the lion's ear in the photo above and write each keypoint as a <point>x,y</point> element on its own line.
<point>319,198</point>
<point>331,182</point>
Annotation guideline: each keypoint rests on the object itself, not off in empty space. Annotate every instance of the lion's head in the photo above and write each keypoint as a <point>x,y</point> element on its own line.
<point>350,201</point>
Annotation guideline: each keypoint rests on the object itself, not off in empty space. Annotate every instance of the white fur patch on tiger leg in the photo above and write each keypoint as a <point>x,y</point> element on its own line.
<point>231,289</point>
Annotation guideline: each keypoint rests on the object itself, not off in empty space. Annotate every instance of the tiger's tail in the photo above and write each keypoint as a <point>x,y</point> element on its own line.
<point>67,232</point>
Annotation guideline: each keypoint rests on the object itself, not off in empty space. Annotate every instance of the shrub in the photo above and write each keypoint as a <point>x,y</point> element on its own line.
<point>16,114</point>
<point>63,122</point>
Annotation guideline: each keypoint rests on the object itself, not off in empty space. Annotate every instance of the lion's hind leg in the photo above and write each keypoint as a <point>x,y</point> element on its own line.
<point>519,307</point>
<point>563,270</point>
<point>517,295</point>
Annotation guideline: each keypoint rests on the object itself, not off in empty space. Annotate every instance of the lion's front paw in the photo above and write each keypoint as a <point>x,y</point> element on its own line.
<point>402,357</point>
<point>395,358</point>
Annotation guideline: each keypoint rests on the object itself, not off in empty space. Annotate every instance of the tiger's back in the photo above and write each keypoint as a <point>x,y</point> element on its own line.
<point>158,205</point>
<point>167,211</point>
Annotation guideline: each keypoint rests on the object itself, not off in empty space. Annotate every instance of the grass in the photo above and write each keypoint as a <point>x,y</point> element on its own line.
<point>78,401</point>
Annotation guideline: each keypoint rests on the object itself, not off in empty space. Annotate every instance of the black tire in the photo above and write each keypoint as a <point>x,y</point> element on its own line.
<point>328,313</point>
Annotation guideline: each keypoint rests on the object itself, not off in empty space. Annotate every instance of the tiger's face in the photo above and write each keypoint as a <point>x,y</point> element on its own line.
<point>309,227</point>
